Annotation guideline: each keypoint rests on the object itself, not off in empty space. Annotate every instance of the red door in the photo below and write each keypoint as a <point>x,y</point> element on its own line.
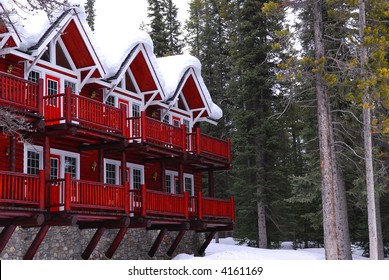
<point>53,100</point>
<point>56,192</point>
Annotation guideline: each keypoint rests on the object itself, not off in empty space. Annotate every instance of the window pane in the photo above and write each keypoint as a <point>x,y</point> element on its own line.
<point>32,162</point>
<point>188,185</point>
<point>137,178</point>
<point>110,100</point>
<point>168,183</point>
<point>54,168</point>
<point>34,76</point>
<point>71,166</point>
<point>110,174</point>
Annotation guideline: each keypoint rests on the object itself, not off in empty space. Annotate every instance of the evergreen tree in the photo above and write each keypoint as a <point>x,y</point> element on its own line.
<point>158,32</point>
<point>165,29</point>
<point>90,13</point>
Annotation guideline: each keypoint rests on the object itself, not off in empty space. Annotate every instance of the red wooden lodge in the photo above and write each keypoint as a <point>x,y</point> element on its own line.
<point>109,146</point>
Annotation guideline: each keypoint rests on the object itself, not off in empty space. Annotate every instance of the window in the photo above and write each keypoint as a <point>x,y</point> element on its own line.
<point>110,100</point>
<point>71,166</point>
<point>52,87</point>
<point>137,178</point>
<point>71,85</point>
<point>34,76</point>
<point>33,162</point>
<point>136,175</point>
<point>166,118</point>
<point>54,168</point>
<point>135,110</point>
<point>188,181</point>
<point>110,173</point>
<point>169,184</point>
<point>187,125</point>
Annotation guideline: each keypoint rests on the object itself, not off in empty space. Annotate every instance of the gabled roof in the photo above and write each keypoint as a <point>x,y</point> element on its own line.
<point>9,37</point>
<point>182,75</point>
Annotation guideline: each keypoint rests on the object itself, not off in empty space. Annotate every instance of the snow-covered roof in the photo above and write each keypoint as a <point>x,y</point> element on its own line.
<point>35,28</point>
<point>174,69</point>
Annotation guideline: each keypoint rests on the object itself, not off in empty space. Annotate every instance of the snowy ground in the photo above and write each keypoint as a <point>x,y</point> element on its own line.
<point>228,250</point>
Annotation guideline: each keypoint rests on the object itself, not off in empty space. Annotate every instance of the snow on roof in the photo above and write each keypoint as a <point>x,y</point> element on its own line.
<point>33,26</point>
<point>173,69</point>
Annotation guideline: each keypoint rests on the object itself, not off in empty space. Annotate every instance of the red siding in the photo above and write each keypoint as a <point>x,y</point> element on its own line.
<point>17,68</point>
<point>86,160</point>
<point>4,145</point>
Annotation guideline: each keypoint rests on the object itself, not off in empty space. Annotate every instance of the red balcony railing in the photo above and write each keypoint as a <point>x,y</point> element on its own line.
<point>72,108</point>
<point>199,143</point>
<point>20,189</point>
<point>70,194</point>
<point>150,130</point>
<point>20,94</point>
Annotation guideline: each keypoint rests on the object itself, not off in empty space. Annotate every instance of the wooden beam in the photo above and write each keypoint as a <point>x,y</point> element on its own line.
<point>170,227</point>
<point>100,165</point>
<point>208,240</point>
<point>176,242</point>
<point>116,242</point>
<point>163,175</point>
<point>93,243</point>
<point>60,220</point>
<point>36,243</point>
<point>157,242</point>
<point>117,145</point>
<point>122,223</point>
<point>36,220</point>
<point>5,236</point>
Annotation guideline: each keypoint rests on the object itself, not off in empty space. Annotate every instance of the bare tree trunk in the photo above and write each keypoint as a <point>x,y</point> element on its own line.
<point>332,197</point>
<point>262,234</point>
<point>372,211</point>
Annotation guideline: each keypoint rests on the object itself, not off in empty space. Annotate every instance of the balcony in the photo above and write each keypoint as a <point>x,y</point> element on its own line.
<point>76,195</point>
<point>75,109</point>
<point>69,108</point>
<point>20,94</point>
<point>148,130</point>
<point>94,198</point>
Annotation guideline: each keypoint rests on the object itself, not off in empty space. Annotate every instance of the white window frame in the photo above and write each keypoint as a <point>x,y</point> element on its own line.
<point>191,177</point>
<point>61,153</point>
<point>133,166</point>
<point>117,164</point>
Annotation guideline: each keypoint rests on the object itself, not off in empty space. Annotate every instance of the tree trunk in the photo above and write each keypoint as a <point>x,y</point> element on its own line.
<point>262,234</point>
<point>330,203</point>
<point>374,250</point>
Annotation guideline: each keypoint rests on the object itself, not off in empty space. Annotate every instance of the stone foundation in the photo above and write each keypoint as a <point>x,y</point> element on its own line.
<point>68,243</point>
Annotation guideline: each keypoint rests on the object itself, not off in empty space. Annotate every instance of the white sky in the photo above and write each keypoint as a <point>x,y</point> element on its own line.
<point>115,16</point>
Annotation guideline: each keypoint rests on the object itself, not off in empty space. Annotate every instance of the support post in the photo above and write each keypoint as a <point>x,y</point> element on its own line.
<point>68,105</point>
<point>68,190</point>
<point>42,184</point>
<point>143,126</point>
<point>181,178</point>
<point>175,243</point>
<point>163,175</point>
<point>100,165</point>
<point>143,194</point>
<point>116,242</point>
<point>206,243</point>
<point>93,243</point>
<point>186,205</point>
<point>157,242</point>
<point>5,235</point>
<point>200,206</point>
<point>40,97</point>
<point>12,153</point>
<point>198,134</point>
<point>183,128</point>
<point>36,243</point>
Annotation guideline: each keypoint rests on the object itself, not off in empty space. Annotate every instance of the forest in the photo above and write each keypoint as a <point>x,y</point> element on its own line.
<point>304,87</point>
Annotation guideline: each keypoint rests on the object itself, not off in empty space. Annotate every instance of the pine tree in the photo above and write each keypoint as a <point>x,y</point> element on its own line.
<point>165,29</point>
<point>90,13</point>
<point>158,32</point>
